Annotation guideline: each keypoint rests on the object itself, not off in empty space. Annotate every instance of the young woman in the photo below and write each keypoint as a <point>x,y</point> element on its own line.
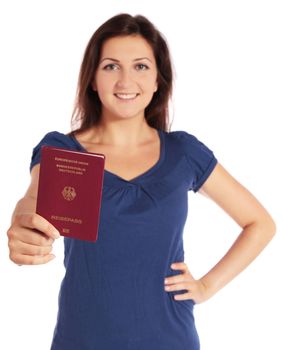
<point>123,292</point>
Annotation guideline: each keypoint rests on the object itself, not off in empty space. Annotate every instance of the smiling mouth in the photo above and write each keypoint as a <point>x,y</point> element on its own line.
<point>126,96</point>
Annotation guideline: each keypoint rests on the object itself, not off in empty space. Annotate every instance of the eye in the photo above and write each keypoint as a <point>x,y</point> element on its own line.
<point>109,66</point>
<point>113,66</point>
<point>142,66</point>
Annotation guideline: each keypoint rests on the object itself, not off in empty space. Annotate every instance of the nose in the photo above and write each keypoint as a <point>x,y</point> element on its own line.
<point>125,79</point>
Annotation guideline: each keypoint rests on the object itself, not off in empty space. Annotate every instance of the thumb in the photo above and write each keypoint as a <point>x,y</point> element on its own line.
<point>38,222</point>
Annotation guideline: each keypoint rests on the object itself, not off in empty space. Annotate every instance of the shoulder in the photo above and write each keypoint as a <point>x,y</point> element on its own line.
<point>200,158</point>
<point>55,138</point>
<point>182,137</point>
<point>190,144</point>
<point>52,138</point>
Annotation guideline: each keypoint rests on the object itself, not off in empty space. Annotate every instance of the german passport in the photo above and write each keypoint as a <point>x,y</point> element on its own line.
<point>70,191</point>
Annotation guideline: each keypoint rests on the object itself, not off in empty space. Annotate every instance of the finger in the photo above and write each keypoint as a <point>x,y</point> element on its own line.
<point>29,249</point>
<point>177,286</point>
<point>31,259</point>
<point>169,281</point>
<point>181,266</point>
<point>35,237</point>
<point>183,296</point>
<point>29,236</point>
<point>36,221</point>
<point>185,276</point>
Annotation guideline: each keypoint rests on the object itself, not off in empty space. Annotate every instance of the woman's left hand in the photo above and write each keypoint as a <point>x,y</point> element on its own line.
<point>196,289</point>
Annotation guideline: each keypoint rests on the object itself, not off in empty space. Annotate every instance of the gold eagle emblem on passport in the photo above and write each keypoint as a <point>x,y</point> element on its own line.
<point>69,193</point>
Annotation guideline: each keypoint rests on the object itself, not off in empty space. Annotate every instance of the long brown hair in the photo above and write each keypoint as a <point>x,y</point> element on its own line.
<point>87,108</point>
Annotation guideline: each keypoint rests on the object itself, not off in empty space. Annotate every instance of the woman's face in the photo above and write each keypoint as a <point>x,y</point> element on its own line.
<point>126,77</point>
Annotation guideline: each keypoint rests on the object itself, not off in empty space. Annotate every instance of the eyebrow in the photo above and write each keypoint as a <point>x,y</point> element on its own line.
<point>115,60</point>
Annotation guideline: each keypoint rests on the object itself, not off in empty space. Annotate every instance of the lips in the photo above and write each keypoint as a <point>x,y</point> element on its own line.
<point>122,96</point>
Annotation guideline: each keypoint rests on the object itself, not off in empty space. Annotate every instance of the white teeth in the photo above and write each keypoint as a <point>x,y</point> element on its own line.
<point>126,96</point>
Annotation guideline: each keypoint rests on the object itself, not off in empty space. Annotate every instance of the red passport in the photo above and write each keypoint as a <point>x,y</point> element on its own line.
<point>70,191</point>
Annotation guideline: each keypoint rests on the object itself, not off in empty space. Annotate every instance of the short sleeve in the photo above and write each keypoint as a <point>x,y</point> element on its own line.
<point>53,138</point>
<point>200,158</point>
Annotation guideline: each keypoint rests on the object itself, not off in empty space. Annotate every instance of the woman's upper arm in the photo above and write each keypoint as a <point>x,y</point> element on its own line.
<point>237,201</point>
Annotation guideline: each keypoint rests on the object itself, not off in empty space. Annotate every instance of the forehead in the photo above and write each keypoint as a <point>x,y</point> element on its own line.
<point>127,47</point>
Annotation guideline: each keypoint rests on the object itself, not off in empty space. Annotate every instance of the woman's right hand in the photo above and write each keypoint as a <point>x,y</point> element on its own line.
<point>30,236</point>
<point>30,239</point>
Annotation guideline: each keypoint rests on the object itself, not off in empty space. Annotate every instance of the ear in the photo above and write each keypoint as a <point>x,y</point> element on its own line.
<point>156,87</point>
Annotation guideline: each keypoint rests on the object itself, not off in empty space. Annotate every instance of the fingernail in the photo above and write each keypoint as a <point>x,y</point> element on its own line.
<point>56,234</point>
<point>166,281</point>
<point>173,265</point>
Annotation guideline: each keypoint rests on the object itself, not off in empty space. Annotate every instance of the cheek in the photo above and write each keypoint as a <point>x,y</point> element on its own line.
<point>104,83</point>
<point>151,87</point>
<point>151,83</point>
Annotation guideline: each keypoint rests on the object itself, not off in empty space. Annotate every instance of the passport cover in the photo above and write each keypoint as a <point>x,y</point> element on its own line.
<point>70,191</point>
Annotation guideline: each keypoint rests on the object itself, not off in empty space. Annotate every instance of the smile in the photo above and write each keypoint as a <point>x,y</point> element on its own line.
<point>126,96</point>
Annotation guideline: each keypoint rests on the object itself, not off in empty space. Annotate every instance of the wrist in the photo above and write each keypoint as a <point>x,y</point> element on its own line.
<point>207,287</point>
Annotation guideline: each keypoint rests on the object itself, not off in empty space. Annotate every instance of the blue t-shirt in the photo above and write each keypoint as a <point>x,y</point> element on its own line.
<point>112,296</point>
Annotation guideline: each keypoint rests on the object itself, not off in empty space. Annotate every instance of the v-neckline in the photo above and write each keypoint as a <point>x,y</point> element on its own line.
<point>146,173</point>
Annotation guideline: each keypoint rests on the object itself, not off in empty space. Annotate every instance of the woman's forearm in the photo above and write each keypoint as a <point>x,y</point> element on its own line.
<point>251,241</point>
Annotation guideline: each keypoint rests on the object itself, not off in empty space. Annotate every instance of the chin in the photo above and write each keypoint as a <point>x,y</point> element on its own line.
<point>124,114</point>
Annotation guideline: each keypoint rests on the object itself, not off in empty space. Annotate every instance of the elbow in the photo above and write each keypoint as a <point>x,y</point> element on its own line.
<point>272,228</point>
<point>266,228</point>
<point>270,225</point>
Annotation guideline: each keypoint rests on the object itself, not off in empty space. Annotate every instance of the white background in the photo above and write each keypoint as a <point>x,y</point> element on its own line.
<point>229,88</point>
